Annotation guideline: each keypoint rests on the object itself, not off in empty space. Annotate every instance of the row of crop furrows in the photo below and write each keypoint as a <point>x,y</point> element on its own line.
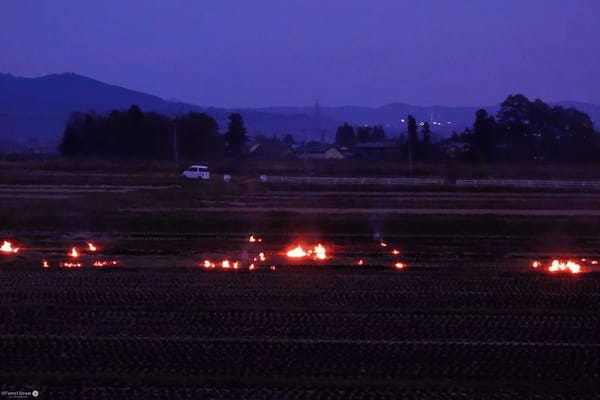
<point>293,359</point>
<point>97,321</point>
<point>133,391</point>
<point>301,290</point>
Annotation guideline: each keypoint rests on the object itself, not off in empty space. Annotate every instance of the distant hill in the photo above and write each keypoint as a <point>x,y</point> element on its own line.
<point>33,112</point>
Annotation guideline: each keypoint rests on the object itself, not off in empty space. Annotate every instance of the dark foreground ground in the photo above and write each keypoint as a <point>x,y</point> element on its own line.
<point>466,319</point>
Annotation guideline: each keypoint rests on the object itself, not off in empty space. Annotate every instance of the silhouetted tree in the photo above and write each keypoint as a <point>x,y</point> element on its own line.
<point>378,134</point>
<point>134,134</point>
<point>363,134</point>
<point>235,137</point>
<point>345,136</point>
<point>289,140</point>
<point>425,144</point>
<point>412,138</point>
<point>483,138</point>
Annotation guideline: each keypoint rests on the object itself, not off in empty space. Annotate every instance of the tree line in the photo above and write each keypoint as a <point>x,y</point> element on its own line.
<point>525,130</point>
<point>522,130</point>
<point>135,134</point>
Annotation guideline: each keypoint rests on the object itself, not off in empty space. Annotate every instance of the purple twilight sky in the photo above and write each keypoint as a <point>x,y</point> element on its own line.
<point>291,52</point>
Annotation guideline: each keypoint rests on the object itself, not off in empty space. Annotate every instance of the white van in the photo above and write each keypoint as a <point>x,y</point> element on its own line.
<point>196,172</point>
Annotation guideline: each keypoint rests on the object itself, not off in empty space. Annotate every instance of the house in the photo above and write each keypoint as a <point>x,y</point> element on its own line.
<point>270,149</point>
<point>320,151</point>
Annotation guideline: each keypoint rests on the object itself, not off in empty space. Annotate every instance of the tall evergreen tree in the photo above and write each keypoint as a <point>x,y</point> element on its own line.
<point>412,139</point>
<point>425,145</point>
<point>483,141</point>
<point>235,137</point>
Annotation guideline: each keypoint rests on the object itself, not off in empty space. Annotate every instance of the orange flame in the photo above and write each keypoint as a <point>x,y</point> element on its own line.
<point>69,264</point>
<point>320,252</point>
<point>399,265</point>
<point>74,253</point>
<point>297,252</point>
<point>261,256</point>
<point>252,239</point>
<point>561,266</point>
<point>395,252</point>
<point>360,262</point>
<point>383,244</point>
<point>7,247</point>
<point>104,263</point>
<point>45,264</point>
<point>92,247</point>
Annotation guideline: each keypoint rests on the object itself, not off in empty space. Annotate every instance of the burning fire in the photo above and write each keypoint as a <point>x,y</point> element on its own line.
<point>74,253</point>
<point>319,252</point>
<point>104,263</point>
<point>297,252</point>
<point>254,239</point>
<point>399,265</point>
<point>69,264</point>
<point>224,264</point>
<point>383,244</point>
<point>45,264</point>
<point>7,247</point>
<point>560,266</point>
<point>360,262</point>
<point>92,247</point>
<point>395,252</point>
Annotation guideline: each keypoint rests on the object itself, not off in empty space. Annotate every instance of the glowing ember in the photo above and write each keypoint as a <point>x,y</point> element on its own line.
<point>7,247</point>
<point>297,252</point>
<point>45,264</point>
<point>560,266</point>
<point>208,264</point>
<point>594,262</point>
<point>251,267</point>
<point>225,264</point>
<point>399,265</point>
<point>92,247</point>
<point>261,256</point>
<point>254,239</point>
<point>273,268</point>
<point>74,253</point>
<point>104,263</point>
<point>360,262</point>
<point>69,264</point>
<point>395,252</point>
<point>383,244</point>
<point>535,264</point>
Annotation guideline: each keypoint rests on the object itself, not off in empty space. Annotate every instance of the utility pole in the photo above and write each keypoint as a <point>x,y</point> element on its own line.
<point>175,148</point>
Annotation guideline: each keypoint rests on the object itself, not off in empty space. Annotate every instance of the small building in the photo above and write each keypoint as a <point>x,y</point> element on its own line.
<point>320,151</point>
<point>270,149</point>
